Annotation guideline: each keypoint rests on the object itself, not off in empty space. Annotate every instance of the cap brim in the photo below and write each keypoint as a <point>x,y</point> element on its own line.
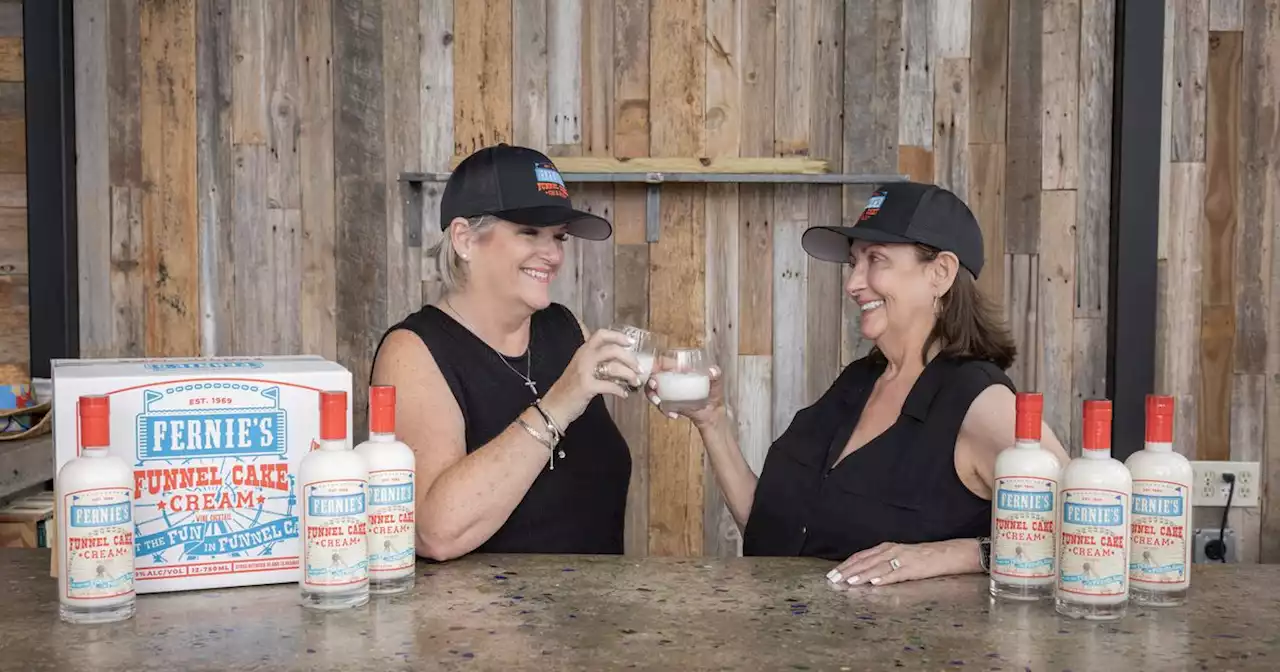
<point>577,223</point>
<point>831,243</point>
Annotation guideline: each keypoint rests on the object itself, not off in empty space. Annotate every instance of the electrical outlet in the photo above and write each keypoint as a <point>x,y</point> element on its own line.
<point>1209,489</point>
<point>1204,536</point>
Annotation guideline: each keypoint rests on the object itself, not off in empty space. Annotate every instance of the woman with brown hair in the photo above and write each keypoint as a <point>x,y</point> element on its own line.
<point>889,473</point>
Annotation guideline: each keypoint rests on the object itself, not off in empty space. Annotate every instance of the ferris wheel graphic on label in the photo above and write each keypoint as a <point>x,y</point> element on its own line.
<point>212,471</point>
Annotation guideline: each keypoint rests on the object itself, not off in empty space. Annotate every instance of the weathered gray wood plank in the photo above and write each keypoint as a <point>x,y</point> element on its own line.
<point>401,44</point>
<point>318,303</point>
<point>915,124</point>
<point>214,175</point>
<point>1190,70</point>
<point>988,71</point>
<point>93,179</point>
<point>360,164</point>
<point>529,73</point>
<point>1023,135</point>
<point>564,73</point>
<point>436,116</point>
<point>1093,225</point>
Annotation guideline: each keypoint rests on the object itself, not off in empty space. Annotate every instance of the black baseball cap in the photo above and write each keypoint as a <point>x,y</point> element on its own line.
<point>905,212</point>
<point>519,185</point>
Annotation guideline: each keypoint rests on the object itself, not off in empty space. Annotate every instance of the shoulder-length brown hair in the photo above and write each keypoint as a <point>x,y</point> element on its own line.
<point>969,323</point>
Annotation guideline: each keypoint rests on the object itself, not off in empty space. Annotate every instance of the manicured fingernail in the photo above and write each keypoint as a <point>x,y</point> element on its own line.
<point>625,394</point>
<point>875,581</point>
<point>637,379</point>
<point>671,415</point>
<point>653,384</point>
<point>655,399</point>
<point>833,576</point>
<point>853,579</point>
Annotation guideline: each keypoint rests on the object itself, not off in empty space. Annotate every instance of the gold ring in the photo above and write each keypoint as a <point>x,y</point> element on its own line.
<point>602,371</point>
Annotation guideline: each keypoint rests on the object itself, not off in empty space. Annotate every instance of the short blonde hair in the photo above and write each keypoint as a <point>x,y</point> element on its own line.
<point>450,266</point>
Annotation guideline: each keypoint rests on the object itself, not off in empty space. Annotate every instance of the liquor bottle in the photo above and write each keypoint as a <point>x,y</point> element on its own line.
<point>1023,511</point>
<point>391,497</point>
<point>95,525</point>
<point>1160,553</point>
<point>334,480</point>
<point>1093,527</point>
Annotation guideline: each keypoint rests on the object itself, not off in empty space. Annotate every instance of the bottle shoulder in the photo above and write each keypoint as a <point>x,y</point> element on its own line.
<point>1108,473</point>
<point>333,464</point>
<point>1024,461</point>
<point>98,472</point>
<point>1150,464</point>
<point>387,454</point>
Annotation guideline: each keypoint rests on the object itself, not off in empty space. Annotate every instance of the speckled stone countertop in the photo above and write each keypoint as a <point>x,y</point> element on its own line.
<point>591,613</point>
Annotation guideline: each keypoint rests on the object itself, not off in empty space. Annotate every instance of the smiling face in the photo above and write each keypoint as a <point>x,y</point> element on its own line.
<point>513,261</point>
<point>895,288</point>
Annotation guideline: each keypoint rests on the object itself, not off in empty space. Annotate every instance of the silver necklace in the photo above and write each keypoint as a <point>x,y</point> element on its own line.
<point>528,380</point>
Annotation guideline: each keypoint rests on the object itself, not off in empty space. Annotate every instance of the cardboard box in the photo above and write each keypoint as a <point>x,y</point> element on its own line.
<point>215,445</point>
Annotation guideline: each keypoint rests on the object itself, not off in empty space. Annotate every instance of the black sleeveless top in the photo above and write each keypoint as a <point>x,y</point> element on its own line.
<point>578,507</point>
<point>901,486</point>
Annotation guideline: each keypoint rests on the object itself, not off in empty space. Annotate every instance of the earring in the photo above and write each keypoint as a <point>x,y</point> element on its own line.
<point>936,308</point>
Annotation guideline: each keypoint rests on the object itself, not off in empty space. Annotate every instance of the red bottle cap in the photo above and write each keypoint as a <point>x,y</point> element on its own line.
<point>333,415</point>
<point>95,421</point>
<point>1030,411</point>
<point>382,409</point>
<point>1097,424</point>
<point>1159,419</point>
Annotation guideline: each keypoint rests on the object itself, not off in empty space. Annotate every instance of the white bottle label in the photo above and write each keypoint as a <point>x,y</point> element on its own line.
<point>1094,558</point>
<point>336,528</point>
<point>391,543</point>
<point>1023,545</point>
<point>1158,532</point>
<point>99,540</point>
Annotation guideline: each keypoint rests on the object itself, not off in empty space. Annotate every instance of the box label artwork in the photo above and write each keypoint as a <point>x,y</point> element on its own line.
<point>212,487</point>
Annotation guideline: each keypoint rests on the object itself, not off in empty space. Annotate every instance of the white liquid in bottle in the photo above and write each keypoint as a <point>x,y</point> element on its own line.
<point>95,525</point>
<point>1160,553</point>
<point>1024,511</point>
<point>1093,525</point>
<point>391,497</point>
<point>334,480</point>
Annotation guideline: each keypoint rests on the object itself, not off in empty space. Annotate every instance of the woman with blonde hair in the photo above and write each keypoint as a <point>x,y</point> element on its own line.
<point>498,388</point>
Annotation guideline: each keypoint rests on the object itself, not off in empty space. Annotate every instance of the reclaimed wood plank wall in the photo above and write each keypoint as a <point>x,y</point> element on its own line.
<point>14,309</point>
<point>1219,281</point>
<point>239,194</point>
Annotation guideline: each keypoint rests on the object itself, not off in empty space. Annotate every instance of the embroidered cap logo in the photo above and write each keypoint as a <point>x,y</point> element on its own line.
<point>549,180</point>
<point>873,206</point>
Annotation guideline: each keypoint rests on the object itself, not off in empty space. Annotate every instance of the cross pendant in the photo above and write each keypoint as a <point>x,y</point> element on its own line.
<point>533,387</point>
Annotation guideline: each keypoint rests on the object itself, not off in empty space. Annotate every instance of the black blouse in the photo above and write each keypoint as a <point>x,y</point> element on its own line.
<point>901,486</point>
<point>580,506</point>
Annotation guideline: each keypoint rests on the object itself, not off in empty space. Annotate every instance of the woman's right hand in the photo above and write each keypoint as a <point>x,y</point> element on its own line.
<point>708,413</point>
<point>578,385</point>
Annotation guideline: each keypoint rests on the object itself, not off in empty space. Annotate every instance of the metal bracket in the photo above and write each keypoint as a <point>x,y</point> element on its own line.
<point>654,182</point>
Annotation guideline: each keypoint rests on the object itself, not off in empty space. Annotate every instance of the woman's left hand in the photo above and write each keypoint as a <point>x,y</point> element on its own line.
<point>914,561</point>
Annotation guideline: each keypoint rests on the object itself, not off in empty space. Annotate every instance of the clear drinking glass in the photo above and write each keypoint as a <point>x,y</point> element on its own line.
<point>684,379</point>
<point>645,348</point>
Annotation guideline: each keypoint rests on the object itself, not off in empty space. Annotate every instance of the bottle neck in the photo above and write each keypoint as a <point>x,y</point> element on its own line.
<point>332,444</point>
<point>93,451</point>
<point>1030,444</point>
<point>382,437</point>
<point>1096,453</point>
<point>1159,446</point>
